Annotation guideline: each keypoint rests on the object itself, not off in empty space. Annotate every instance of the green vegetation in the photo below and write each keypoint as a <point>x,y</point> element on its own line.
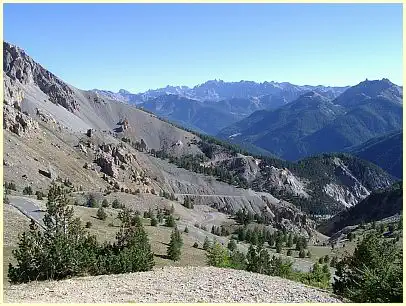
<point>154,221</point>
<point>101,214</point>
<point>232,245</point>
<point>40,195</point>
<point>27,190</point>
<point>219,231</point>
<point>217,256</point>
<point>65,249</point>
<point>10,186</point>
<point>92,202</point>
<point>105,203</point>
<point>116,204</point>
<point>206,244</point>
<point>373,273</point>
<point>188,203</point>
<point>258,260</point>
<point>174,248</point>
<point>170,221</point>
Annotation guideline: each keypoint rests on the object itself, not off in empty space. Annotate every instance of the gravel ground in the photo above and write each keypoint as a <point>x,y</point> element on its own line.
<point>170,284</point>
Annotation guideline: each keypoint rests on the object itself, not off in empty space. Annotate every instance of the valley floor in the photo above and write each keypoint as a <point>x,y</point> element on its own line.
<point>170,284</point>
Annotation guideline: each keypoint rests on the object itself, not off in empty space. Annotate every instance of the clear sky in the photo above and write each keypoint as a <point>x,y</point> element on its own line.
<point>147,46</point>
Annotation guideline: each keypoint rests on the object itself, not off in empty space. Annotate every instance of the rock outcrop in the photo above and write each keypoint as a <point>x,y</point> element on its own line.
<point>18,66</point>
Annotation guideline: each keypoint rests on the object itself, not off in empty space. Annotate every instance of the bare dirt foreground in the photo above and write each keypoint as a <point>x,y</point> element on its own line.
<point>169,284</point>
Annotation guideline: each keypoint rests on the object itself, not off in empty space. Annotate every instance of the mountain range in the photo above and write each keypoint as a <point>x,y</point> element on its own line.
<point>314,123</point>
<point>218,103</point>
<point>281,119</point>
<point>42,112</point>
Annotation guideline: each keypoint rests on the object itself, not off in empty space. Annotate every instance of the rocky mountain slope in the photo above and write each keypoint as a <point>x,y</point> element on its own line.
<point>187,285</point>
<point>386,151</point>
<point>53,130</point>
<point>362,112</point>
<point>377,206</point>
<point>103,145</point>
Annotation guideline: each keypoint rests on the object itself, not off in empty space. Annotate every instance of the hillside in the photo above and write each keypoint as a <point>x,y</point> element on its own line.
<point>377,206</point>
<point>314,123</point>
<point>385,151</point>
<point>48,121</point>
<point>170,285</point>
<point>51,131</point>
<point>102,149</point>
<point>191,114</point>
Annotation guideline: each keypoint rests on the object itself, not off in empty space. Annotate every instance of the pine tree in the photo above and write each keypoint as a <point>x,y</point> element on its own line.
<point>252,259</point>
<point>170,221</point>
<point>237,260</point>
<point>133,246</point>
<point>217,256</point>
<point>154,221</point>
<point>160,216</point>
<point>232,246</point>
<point>264,263</point>
<point>92,202</point>
<point>278,244</point>
<point>116,204</point>
<point>206,244</point>
<point>105,203</point>
<point>57,251</point>
<point>101,214</point>
<point>174,248</point>
<point>289,244</point>
<point>372,274</point>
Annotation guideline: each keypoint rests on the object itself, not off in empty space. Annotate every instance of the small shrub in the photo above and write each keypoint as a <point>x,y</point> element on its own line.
<point>88,224</point>
<point>92,202</point>
<point>27,190</point>
<point>154,221</point>
<point>116,204</point>
<point>105,203</point>
<point>186,230</point>
<point>217,256</point>
<point>232,246</point>
<point>206,244</point>
<point>40,195</point>
<point>289,252</point>
<point>101,214</point>
<point>195,245</point>
<point>170,221</point>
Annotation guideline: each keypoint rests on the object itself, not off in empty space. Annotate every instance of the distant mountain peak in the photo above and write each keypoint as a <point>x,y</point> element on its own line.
<point>124,92</point>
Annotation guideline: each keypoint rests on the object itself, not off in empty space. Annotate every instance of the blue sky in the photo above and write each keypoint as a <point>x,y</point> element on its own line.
<point>147,46</point>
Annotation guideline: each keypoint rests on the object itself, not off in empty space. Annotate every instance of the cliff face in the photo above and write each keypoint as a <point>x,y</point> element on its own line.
<point>17,65</point>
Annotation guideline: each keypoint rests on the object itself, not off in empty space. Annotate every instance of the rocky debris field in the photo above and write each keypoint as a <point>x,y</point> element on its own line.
<point>170,284</point>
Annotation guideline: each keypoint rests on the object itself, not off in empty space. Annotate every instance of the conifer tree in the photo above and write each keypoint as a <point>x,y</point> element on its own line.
<point>174,248</point>
<point>206,244</point>
<point>232,245</point>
